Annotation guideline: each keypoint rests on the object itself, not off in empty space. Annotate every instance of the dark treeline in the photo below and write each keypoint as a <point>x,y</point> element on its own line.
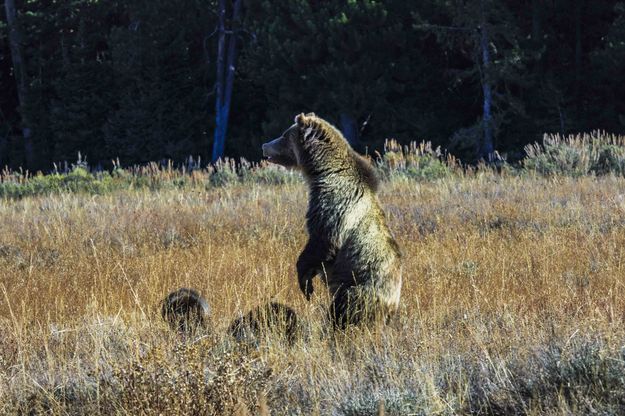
<point>137,79</point>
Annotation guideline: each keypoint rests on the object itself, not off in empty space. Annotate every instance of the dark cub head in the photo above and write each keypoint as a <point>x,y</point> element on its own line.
<point>185,310</point>
<point>287,149</point>
<point>271,318</point>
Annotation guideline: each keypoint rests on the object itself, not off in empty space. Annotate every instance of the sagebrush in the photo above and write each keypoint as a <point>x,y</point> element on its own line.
<point>513,301</point>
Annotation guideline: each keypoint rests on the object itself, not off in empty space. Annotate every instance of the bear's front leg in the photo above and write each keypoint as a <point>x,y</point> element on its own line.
<point>305,276</point>
<point>309,264</point>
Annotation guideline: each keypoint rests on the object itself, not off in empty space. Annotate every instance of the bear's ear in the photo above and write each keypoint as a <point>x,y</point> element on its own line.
<point>300,119</point>
<point>311,115</point>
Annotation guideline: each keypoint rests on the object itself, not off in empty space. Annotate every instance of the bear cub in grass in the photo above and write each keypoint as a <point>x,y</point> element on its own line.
<point>350,246</point>
<point>185,310</point>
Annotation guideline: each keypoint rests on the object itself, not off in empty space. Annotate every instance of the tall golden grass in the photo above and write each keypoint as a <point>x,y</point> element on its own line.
<point>513,302</point>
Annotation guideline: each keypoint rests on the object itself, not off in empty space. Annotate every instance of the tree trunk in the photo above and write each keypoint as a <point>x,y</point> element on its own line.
<point>486,147</point>
<point>19,71</point>
<point>225,76</point>
<point>218,142</point>
<point>349,128</point>
<point>231,66</point>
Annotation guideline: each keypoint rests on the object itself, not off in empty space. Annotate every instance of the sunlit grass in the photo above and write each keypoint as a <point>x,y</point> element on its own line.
<point>513,301</point>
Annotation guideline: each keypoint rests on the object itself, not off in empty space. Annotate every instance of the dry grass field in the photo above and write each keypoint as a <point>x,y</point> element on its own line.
<point>513,302</point>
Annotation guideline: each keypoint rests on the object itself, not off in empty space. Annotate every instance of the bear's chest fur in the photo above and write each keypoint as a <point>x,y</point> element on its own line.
<point>334,212</point>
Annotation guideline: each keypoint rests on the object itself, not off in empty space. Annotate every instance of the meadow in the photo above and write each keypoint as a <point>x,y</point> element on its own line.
<point>513,299</point>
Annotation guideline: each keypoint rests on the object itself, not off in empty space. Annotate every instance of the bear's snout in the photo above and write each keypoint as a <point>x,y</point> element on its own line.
<point>266,149</point>
<point>279,151</point>
<point>272,148</point>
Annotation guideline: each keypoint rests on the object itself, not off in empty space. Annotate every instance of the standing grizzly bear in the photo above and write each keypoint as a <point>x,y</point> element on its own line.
<point>349,243</point>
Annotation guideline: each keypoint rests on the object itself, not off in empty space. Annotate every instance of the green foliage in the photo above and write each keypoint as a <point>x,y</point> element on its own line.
<point>414,162</point>
<point>596,153</point>
<point>357,59</point>
<point>224,173</point>
<point>603,102</point>
<point>135,79</point>
<point>417,161</point>
<point>115,79</point>
<point>457,27</point>
<point>78,180</point>
<point>159,108</point>
<point>268,174</point>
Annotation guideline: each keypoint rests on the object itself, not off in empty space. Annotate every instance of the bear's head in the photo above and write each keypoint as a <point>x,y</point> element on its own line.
<point>318,149</point>
<point>287,150</point>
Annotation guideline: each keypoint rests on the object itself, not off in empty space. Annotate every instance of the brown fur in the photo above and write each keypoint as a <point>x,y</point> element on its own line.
<point>350,246</point>
<point>185,310</point>
<point>272,317</point>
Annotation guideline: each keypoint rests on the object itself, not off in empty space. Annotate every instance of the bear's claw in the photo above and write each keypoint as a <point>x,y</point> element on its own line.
<point>306,287</point>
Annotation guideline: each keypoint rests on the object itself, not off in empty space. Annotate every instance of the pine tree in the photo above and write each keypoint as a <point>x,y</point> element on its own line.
<point>484,34</point>
<point>348,61</point>
<point>160,76</point>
